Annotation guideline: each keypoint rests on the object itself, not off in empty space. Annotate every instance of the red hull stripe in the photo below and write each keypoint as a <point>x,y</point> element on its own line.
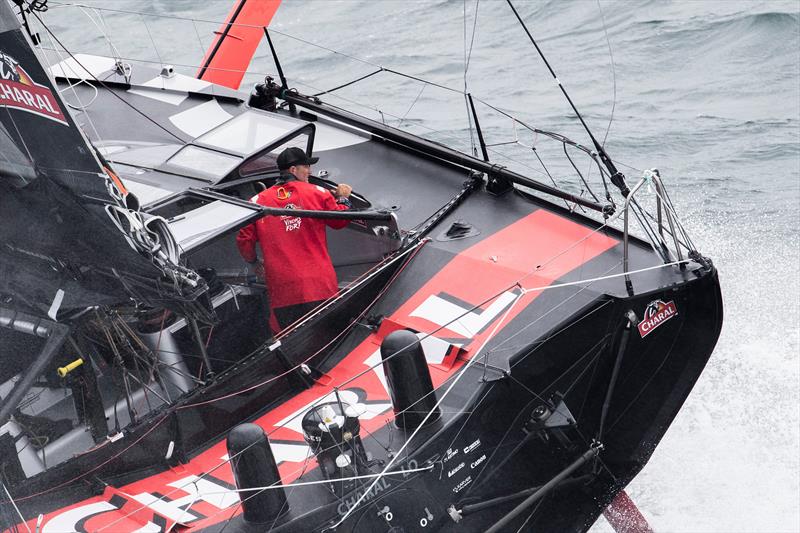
<point>474,276</point>
<point>236,41</point>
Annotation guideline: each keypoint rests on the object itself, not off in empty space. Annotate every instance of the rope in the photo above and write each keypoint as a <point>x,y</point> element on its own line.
<point>298,366</point>
<point>430,412</point>
<point>278,485</point>
<point>613,73</point>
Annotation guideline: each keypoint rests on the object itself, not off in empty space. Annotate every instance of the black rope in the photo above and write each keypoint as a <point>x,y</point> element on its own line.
<point>580,175</point>
<point>601,152</point>
<point>342,86</point>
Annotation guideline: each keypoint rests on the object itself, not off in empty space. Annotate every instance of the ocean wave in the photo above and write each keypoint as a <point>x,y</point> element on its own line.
<point>726,30</point>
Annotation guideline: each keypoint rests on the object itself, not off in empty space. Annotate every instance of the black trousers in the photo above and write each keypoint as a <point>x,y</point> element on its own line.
<point>291,313</point>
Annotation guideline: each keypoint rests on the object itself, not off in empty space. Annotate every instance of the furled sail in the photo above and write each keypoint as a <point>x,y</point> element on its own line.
<point>70,235</point>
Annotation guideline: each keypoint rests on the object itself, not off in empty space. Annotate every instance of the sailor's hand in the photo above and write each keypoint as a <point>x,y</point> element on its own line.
<point>343,190</point>
<point>256,268</point>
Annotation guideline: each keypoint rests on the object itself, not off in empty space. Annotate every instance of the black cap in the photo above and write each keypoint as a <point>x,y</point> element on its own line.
<point>294,156</point>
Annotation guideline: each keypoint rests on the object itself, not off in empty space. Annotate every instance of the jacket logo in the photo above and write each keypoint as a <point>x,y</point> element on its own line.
<point>19,91</point>
<point>657,313</point>
<point>292,223</point>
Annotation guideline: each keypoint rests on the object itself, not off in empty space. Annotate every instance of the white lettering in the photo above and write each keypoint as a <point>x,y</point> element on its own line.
<point>463,483</point>
<point>472,446</point>
<point>456,469</point>
<point>477,461</point>
<point>449,454</point>
<point>7,92</point>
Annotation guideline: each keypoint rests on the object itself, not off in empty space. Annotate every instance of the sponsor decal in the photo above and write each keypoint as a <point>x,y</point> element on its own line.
<point>477,461</point>
<point>449,454</point>
<point>454,471</point>
<point>472,446</point>
<point>656,313</point>
<point>292,223</point>
<point>19,91</point>
<point>463,483</point>
<point>382,485</point>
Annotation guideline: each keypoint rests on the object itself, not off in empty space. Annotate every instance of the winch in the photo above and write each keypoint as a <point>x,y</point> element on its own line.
<point>332,432</point>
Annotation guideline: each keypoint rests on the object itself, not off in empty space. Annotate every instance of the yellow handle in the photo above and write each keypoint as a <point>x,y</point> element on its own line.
<point>64,370</point>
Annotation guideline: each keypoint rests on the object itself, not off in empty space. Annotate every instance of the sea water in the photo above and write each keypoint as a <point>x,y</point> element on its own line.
<point>707,92</point>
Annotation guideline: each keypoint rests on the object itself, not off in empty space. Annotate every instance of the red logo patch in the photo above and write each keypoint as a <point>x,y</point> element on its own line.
<point>657,313</point>
<point>19,91</point>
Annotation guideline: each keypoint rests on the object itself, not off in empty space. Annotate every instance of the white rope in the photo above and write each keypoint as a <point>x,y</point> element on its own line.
<point>17,508</point>
<point>278,485</point>
<point>601,278</point>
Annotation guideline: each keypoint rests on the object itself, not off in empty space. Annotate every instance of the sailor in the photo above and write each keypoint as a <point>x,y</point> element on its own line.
<point>297,268</point>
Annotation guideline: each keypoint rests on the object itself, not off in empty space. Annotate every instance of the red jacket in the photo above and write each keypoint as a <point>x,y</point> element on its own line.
<point>297,266</point>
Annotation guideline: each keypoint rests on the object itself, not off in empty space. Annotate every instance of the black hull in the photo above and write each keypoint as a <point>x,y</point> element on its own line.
<point>655,379</point>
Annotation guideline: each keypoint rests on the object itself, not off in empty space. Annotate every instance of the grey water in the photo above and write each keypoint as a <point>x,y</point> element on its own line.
<point>706,91</point>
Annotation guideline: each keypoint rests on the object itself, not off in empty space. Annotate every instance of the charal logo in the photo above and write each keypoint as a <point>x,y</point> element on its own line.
<point>19,91</point>
<point>657,313</point>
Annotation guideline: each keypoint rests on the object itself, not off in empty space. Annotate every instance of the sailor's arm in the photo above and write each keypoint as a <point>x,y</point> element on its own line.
<point>246,243</point>
<point>340,201</point>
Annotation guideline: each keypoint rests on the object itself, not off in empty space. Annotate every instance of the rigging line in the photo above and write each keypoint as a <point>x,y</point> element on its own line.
<point>598,346</point>
<point>352,287</point>
<point>342,86</point>
<point>155,48</point>
<point>555,333</point>
<point>19,134</point>
<point>600,150</point>
<point>596,199</point>
<point>533,512</point>
<point>84,474</point>
<point>466,99</point>
<point>552,135</point>
<point>651,378</point>
<point>422,126</point>
<point>478,481</point>
<point>412,105</point>
<point>102,84</point>
<point>467,57</point>
<point>70,86</point>
<point>16,508</point>
<point>613,72</point>
<point>361,280</point>
<point>601,278</point>
<point>472,40</point>
<point>457,378</point>
<point>547,171</point>
<point>296,367</point>
<point>278,485</point>
<point>181,487</point>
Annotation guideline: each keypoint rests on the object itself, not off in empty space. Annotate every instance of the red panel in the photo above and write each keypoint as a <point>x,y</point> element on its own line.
<point>225,62</point>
